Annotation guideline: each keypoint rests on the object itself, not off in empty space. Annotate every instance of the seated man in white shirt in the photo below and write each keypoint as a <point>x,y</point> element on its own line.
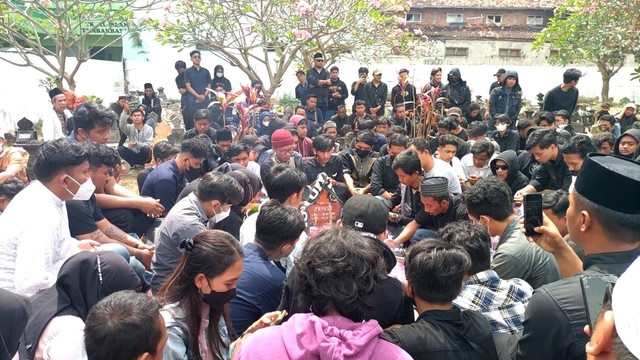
<point>476,164</point>
<point>447,147</point>
<point>35,230</point>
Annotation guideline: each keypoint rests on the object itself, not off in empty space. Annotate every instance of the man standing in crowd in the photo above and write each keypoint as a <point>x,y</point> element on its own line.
<point>54,125</point>
<point>357,88</point>
<point>604,221</point>
<point>500,75</point>
<point>405,94</point>
<point>151,101</point>
<point>376,94</point>
<point>302,87</point>
<point>564,96</point>
<point>318,84</point>
<point>507,99</point>
<point>197,80</point>
<point>457,92</point>
<point>338,92</point>
<point>181,67</point>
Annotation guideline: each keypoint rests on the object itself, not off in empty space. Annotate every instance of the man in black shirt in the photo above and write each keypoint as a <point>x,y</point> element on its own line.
<point>341,119</point>
<point>197,80</point>
<point>435,272</point>
<point>564,96</point>
<point>318,83</point>
<point>404,93</point>
<point>302,87</point>
<point>553,173</point>
<point>376,94</point>
<point>338,92</point>
<point>384,180</point>
<point>604,221</point>
<point>325,161</point>
<point>500,76</point>
<point>439,208</point>
<point>357,88</point>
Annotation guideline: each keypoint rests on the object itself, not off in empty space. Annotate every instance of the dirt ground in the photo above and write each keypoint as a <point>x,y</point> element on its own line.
<point>129,180</point>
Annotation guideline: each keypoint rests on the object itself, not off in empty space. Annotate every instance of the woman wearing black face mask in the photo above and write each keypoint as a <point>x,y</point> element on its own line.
<point>195,298</point>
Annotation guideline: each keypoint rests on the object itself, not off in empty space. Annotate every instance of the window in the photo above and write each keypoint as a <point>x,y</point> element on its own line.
<point>535,20</point>
<point>455,18</point>
<point>512,53</point>
<point>494,19</point>
<point>456,51</point>
<point>414,17</point>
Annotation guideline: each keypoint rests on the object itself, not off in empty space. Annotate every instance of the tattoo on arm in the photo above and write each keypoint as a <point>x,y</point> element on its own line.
<point>97,236</point>
<point>113,232</point>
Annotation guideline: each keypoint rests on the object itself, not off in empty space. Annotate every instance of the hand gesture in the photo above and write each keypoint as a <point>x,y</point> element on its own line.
<point>549,239</point>
<point>151,207</point>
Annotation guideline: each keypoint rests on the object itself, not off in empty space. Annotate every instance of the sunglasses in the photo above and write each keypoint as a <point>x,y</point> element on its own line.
<point>502,167</point>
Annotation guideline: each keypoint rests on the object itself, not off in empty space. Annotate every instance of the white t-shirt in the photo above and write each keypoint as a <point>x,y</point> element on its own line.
<point>442,169</point>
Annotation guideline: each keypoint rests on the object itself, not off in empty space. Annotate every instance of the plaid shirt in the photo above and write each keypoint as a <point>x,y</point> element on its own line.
<point>502,302</point>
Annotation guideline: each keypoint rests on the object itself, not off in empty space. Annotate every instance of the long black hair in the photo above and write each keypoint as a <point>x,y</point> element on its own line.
<point>211,254</point>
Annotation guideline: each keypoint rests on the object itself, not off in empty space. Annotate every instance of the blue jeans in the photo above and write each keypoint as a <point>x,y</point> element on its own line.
<point>135,264</point>
<point>422,234</point>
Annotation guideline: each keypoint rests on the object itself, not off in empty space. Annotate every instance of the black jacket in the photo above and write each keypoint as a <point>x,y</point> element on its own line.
<point>383,178</point>
<point>501,97</point>
<point>634,133</point>
<point>515,179</point>
<point>446,335</point>
<point>555,317</point>
<point>406,97</point>
<point>340,87</point>
<point>509,141</point>
<point>459,94</point>
<point>553,175</point>
<point>321,91</point>
<point>376,95</point>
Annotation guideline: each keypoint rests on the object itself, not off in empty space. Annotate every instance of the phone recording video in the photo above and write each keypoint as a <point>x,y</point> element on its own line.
<point>532,213</point>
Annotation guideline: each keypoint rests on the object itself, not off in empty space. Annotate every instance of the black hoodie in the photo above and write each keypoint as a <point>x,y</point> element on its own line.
<point>458,94</point>
<point>634,133</point>
<point>226,84</point>
<point>515,179</point>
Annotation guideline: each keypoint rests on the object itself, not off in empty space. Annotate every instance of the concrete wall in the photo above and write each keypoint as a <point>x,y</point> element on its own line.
<point>20,96</point>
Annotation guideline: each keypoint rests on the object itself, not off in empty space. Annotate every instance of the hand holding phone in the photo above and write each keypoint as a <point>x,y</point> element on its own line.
<point>532,213</point>
<point>596,291</point>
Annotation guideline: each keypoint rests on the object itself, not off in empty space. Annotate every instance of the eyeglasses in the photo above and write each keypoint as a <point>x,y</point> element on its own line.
<point>284,151</point>
<point>502,167</point>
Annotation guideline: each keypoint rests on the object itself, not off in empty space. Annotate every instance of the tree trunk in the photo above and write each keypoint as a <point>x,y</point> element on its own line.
<point>605,74</point>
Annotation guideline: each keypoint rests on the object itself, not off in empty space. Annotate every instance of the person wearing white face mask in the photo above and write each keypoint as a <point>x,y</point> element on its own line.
<point>218,78</point>
<point>208,205</point>
<point>32,251</point>
<point>507,139</point>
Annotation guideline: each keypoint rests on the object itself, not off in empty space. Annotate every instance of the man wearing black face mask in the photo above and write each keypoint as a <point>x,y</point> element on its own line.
<point>260,287</point>
<point>168,179</point>
<point>212,200</point>
<point>384,181</point>
<point>358,161</point>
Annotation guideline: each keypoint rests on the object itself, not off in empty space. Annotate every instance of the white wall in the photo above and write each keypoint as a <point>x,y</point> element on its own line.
<point>21,95</point>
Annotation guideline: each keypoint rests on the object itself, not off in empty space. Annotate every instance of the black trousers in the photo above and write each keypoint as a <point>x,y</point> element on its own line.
<point>128,220</point>
<point>134,158</point>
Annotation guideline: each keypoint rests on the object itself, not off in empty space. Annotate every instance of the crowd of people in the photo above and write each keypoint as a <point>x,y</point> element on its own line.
<point>214,256</point>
